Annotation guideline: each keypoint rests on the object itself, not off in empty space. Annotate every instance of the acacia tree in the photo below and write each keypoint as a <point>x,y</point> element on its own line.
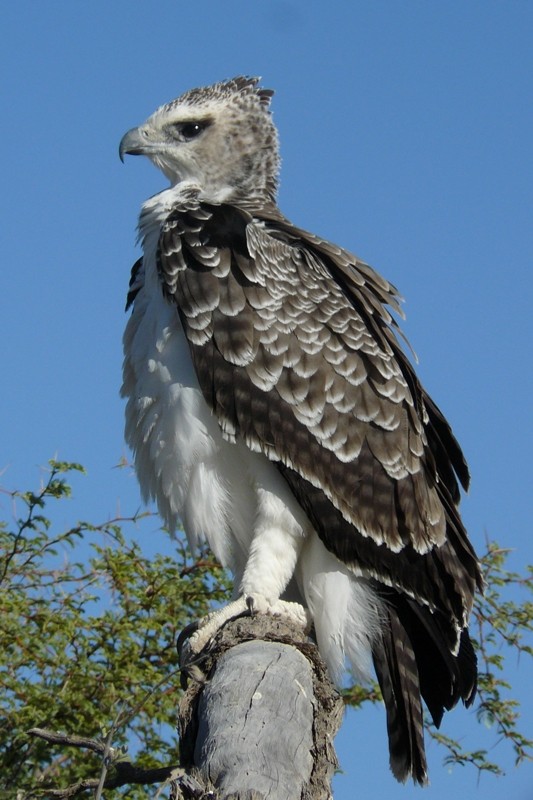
<point>88,650</point>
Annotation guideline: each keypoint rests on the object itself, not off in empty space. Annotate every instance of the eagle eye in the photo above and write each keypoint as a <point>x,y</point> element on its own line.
<point>190,130</point>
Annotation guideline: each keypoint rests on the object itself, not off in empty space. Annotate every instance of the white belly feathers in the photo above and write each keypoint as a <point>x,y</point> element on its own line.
<point>222,492</point>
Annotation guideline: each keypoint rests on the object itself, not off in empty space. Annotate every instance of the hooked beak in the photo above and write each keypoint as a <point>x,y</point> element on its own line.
<point>133,143</point>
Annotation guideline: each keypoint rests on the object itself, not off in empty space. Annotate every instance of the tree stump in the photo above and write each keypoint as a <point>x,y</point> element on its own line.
<point>258,721</point>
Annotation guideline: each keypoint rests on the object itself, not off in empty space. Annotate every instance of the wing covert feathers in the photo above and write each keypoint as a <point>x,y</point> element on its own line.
<point>296,354</point>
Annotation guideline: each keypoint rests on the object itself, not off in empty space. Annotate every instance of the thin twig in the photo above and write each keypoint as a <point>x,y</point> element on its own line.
<point>106,759</point>
<point>69,740</point>
<point>124,771</point>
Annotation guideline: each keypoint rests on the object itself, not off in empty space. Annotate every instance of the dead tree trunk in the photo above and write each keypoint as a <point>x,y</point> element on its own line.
<point>258,721</point>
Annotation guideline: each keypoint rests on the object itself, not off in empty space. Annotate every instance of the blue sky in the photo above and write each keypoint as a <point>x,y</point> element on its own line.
<point>406,137</point>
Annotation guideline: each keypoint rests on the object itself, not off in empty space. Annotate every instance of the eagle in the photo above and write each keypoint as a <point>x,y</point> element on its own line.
<point>273,414</point>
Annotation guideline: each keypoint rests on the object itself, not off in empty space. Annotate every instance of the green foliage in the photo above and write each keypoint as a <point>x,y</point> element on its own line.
<point>502,625</point>
<point>88,626</point>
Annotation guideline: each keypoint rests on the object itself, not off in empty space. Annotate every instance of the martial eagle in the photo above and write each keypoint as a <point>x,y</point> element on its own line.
<point>273,413</point>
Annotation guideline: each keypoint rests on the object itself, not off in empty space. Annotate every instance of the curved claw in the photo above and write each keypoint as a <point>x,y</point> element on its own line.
<point>184,636</point>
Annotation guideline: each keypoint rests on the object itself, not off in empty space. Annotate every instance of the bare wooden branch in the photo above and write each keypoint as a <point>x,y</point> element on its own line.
<point>124,772</point>
<point>264,718</point>
<point>68,740</point>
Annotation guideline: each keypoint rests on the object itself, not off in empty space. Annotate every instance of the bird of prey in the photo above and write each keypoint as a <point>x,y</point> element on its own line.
<point>273,413</point>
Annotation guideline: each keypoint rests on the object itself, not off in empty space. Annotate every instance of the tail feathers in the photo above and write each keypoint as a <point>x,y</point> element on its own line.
<point>445,678</point>
<point>397,672</point>
<point>413,661</point>
<point>467,661</point>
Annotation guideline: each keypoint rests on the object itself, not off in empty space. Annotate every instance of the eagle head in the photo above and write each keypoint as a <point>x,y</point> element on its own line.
<point>220,137</point>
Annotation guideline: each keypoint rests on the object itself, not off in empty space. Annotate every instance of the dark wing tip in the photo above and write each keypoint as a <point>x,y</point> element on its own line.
<point>135,284</point>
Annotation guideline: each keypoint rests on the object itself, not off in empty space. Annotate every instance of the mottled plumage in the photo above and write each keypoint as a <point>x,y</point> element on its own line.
<point>273,412</point>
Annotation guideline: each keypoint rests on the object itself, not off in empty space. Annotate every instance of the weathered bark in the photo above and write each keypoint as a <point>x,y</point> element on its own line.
<point>259,720</point>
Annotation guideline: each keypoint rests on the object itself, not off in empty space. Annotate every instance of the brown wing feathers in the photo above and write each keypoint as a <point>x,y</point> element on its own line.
<point>295,353</point>
<point>286,362</point>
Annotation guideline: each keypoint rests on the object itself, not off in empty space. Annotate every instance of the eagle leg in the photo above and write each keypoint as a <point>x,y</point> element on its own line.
<point>250,604</point>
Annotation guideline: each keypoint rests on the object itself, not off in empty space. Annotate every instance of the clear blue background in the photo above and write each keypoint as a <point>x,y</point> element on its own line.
<point>406,131</point>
